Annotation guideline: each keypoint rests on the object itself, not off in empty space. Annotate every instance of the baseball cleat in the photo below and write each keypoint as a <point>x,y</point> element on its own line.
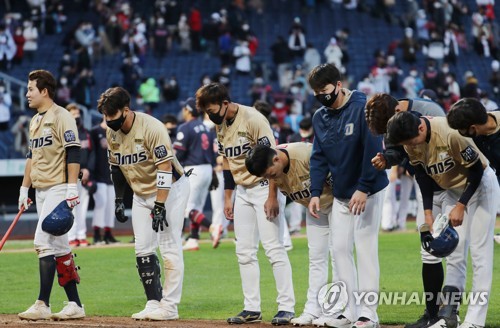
<point>38,311</point>
<point>339,322</point>
<point>469,325</point>
<point>282,318</point>
<point>364,322</point>
<point>83,243</point>
<point>245,317</point>
<point>424,321</point>
<point>162,314</point>
<point>444,323</point>
<point>305,319</point>
<point>70,312</point>
<point>320,322</point>
<point>216,233</point>
<point>191,245</point>
<point>151,306</point>
<point>74,243</point>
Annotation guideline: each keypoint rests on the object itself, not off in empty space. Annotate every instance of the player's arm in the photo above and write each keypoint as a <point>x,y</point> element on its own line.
<point>73,168</point>
<point>25,185</point>
<point>163,181</point>
<point>229,186</point>
<point>271,206</point>
<point>426,184</point>
<point>181,143</point>
<point>319,172</point>
<point>119,184</point>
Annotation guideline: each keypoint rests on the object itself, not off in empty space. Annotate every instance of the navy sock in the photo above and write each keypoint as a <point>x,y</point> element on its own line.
<point>432,277</point>
<point>47,268</point>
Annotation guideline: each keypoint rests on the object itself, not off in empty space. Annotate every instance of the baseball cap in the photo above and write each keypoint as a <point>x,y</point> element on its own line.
<point>428,94</point>
<point>190,104</point>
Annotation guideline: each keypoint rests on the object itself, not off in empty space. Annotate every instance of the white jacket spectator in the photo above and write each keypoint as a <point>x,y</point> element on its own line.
<point>85,34</point>
<point>312,58</point>
<point>333,53</point>
<point>7,46</point>
<point>366,86</point>
<point>30,33</point>
<point>242,55</point>
<point>5,103</point>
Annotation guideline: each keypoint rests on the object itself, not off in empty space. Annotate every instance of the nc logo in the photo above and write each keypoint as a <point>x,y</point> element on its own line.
<point>333,298</point>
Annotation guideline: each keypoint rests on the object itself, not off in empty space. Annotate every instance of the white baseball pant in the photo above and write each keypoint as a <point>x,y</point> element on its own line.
<point>405,187</point>
<point>199,182</point>
<point>295,215</point>
<point>361,231</point>
<point>475,233</point>
<point>46,244</point>
<point>389,207</point>
<point>217,199</point>
<point>250,225</point>
<point>104,206</point>
<point>287,239</point>
<point>79,228</point>
<point>319,244</point>
<point>169,240</point>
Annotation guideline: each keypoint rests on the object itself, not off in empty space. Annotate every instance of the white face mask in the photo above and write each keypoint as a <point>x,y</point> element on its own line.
<point>206,81</point>
<point>445,70</point>
<point>226,71</point>
<point>413,73</point>
<point>64,81</point>
<point>2,89</point>
<point>449,80</point>
<point>294,90</point>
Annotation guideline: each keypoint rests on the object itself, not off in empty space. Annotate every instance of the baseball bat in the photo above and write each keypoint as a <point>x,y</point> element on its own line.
<point>12,225</point>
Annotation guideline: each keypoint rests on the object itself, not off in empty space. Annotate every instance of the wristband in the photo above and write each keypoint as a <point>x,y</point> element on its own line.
<point>163,179</point>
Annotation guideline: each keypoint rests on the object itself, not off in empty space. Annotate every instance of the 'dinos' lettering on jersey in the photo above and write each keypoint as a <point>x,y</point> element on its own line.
<point>302,194</point>
<point>41,142</point>
<point>237,150</point>
<point>440,167</point>
<point>130,158</point>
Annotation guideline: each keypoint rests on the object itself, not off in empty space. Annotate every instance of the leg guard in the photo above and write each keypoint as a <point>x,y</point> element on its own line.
<point>150,274</point>
<point>450,299</point>
<point>66,270</point>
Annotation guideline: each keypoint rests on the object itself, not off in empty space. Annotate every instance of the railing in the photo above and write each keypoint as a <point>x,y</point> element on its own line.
<point>15,88</point>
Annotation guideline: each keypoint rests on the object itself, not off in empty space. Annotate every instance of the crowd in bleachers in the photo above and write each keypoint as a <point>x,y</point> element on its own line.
<point>427,45</point>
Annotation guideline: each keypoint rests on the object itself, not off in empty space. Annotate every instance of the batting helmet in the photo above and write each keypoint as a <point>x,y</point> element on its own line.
<point>443,244</point>
<point>59,221</point>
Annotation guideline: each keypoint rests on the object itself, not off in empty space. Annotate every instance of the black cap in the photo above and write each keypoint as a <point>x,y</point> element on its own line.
<point>190,105</point>
<point>429,94</point>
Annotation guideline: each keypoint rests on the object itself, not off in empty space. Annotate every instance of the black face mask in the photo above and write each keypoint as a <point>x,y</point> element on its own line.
<point>216,118</point>
<point>327,99</point>
<point>172,133</point>
<point>78,121</point>
<point>115,125</point>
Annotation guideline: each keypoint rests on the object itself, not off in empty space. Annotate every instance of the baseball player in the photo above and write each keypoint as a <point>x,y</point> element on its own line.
<point>141,155</point>
<point>288,166</point>
<point>379,109</point>
<point>343,147</point>
<point>194,151</point>
<point>52,168</point>
<point>471,119</point>
<point>104,196</point>
<point>256,210</point>
<point>78,234</point>
<point>456,165</point>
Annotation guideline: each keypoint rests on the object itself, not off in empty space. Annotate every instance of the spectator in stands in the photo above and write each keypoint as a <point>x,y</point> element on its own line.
<point>312,58</point>
<point>114,33</point>
<point>184,34</point>
<point>63,91</point>
<point>366,86</point>
<point>170,121</point>
<point>223,76</point>
<point>297,39</point>
<point>423,26</point>
<point>56,19</point>
<point>412,84</point>
<point>159,39</point>
<point>225,48</point>
<point>195,26</point>
<point>20,130</point>
<point>495,78</point>
<point>333,53</point>
<point>19,40</point>
<point>241,54</point>
<point>489,104</point>
<point>170,89</point>
<point>282,56</point>
<point>409,47</point>
<point>436,49</point>
<point>5,104</point>
<point>131,73</point>
<point>471,88</point>
<point>432,76</point>
<point>452,87</point>
<point>259,91</point>
<point>451,49</point>
<point>85,35</point>
<point>172,14</point>
<point>393,72</point>
<point>211,32</point>
<point>7,48</point>
<point>82,89</point>
<point>150,94</point>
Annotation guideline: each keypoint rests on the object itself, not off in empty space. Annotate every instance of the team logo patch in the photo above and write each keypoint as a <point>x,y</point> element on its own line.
<point>349,129</point>
<point>161,151</point>
<point>469,154</point>
<point>69,136</point>
<point>179,136</point>
<point>264,141</point>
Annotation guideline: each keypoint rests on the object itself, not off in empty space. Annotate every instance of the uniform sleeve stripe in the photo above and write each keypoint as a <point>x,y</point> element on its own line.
<point>165,159</point>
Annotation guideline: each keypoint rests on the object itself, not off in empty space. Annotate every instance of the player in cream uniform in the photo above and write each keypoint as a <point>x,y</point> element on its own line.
<point>289,167</point>
<point>256,210</point>
<point>52,168</point>
<point>457,166</point>
<point>140,154</point>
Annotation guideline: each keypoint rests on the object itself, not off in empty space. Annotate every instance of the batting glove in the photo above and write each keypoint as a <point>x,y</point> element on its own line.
<point>214,184</point>
<point>159,216</point>
<point>72,195</point>
<point>120,210</point>
<point>23,198</point>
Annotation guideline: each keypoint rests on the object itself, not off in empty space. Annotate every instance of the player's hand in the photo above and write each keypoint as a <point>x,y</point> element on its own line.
<point>23,198</point>
<point>271,208</point>
<point>159,216</point>
<point>456,215</point>
<point>425,236</point>
<point>215,182</point>
<point>120,210</point>
<point>357,203</point>
<point>379,162</point>
<point>228,208</point>
<point>72,195</point>
<point>85,175</point>
<point>314,207</point>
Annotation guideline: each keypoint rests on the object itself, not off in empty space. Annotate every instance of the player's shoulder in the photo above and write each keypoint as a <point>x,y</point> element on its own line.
<point>60,112</point>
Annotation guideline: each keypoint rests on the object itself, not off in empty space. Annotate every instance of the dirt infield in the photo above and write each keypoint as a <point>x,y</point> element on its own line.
<point>12,321</point>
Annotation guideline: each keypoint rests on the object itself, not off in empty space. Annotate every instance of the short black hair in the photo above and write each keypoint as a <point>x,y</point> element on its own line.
<point>259,159</point>
<point>401,127</point>
<point>466,112</point>
<point>263,107</point>
<point>169,118</point>
<point>306,123</point>
<point>112,100</point>
<point>322,75</point>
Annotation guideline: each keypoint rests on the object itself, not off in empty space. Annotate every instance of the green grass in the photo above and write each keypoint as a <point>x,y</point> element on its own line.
<point>110,284</point>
